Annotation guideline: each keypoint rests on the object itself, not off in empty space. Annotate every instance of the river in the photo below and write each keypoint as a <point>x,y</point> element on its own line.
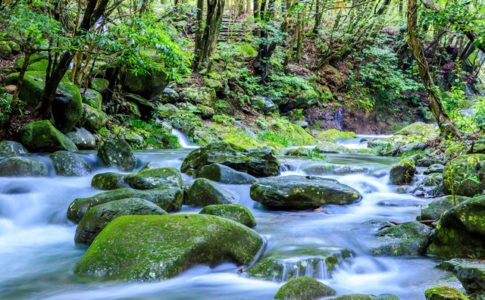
<point>38,254</point>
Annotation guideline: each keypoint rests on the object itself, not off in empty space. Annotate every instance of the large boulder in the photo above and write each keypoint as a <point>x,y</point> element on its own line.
<point>461,231</point>
<point>302,192</point>
<point>304,288</point>
<point>35,57</point>
<point>100,85</point>
<point>168,198</point>
<point>224,174</point>
<point>444,293</point>
<point>94,119</point>
<point>233,212</point>
<point>467,175</point>
<point>437,207</point>
<point>22,166</point>
<point>82,138</point>
<point>199,95</point>
<point>153,178</point>
<point>257,162</point>
<point>69,164</point>
<point>146,85</point>
<point>206,192</point>
<point>292,261</point>
<point>42,136</point>
<point>161,247</point>
<point>99,216</point>
<point>403,172</point>
<point>117,153</point>
<point>409,238</point>
<point>145,107</point>
<point>471,274</point>
<point>11,148</point>
<point>92,98</point>
<point>108,181</point>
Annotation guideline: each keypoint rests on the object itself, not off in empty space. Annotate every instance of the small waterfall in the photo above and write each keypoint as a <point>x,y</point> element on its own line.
<point>183,140</point>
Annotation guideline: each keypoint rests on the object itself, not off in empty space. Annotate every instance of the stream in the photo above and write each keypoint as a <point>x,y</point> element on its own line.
<point>38,254</point>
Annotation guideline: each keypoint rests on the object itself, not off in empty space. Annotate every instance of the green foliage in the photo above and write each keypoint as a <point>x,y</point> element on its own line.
<point>154,135</point>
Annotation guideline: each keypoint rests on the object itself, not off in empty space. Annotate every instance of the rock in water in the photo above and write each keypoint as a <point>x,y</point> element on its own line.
<point>409,238</point>
<point>257,162</point>
<point>41,136</point>
<point>233,212</point>
<point>304,288</point>
<point>22,166</point>
<point>444,293</point>
<point>461,231</point>
<point>108,181</point>
<point>117,153</point>
<point>161,247</point>
<point>466,173</point>
<point>224,174</point>
<point>205,192</point>
<point>153,178</point>
<point>403,172</point>
<point>302,192</point>
<point>82,138</point>
<point>434,209</point>
<point>169,198</point>
<point>99,216</point>
<point>471,274</point>
<point>69,164</point>
<point>11,148</point>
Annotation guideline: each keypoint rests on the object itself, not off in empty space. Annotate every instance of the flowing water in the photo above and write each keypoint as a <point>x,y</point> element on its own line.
<point>37,251</point>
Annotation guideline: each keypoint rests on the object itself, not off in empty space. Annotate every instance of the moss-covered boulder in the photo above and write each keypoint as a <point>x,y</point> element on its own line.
<point>461,231</point>
<point>69,164</point>
<point>168,198</point>
<point>333,135</point>
<point>33,58</point>
<point>437,207</point>
<point>302,192</point>
<point>145,107</point>
<point>93,119</point>
<point>262,104</point>
<point>467,175</point>
<point>108,181</point>
<point>117,153</point>
<point>471,274</point>
<point>304,288</point>
<point>99,216</point>
<point>206,192</point>
<point>153,178</point>
<point>444,293</point>
<point>11,148</point>
<point>40,65</point>
<point>233,212</point>
<point>327,147</point>
<point>42,136</point>
<point>161,247</point>
<point>224,108</point>
<point>82,138</point>
<point>224,174</point>
<point>435,168</point>
<point>100,85</point>
<point>403,172</point>
<point>5,50</point>
<point>405,239</point>
<point>146,85</point>
<point>287,262</point>
<point>199,95</point>
<point>92,98</point>
<point>257,162</point>
<point>22,166</point>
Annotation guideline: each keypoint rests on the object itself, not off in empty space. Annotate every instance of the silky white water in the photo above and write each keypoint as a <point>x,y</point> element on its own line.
<point>37,251</point>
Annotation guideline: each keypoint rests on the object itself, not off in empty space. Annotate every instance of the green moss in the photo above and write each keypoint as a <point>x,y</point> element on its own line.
<point>444,293</point>
<point>108,181</point>
<point>233,212</point>
<point>42,136</point>
<point>332,135</point>
<point>153,178</point>
<point>304,288</point>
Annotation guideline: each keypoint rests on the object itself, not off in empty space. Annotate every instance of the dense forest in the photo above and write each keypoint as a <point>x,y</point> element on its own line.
<point>245,149</point>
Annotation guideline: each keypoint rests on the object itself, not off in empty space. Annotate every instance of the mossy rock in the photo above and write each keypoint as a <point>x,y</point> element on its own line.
<point>302,192</point>
<point>224,174</point>
<point>305,99</point>
<point>145,107</point>
<point>235,212</point>
<point>354,297</point>
<point>168,198</point>
<point>437,207</point>
<point>108,181</point>
<point>22,166</point>
<point>42,136</point>
<point>327,147</point>
<point>40,65</point>
<point>147,248</point>
<point>466,173</point>
<point>33,58</point>
<point>96,219</point>
<point>5,50</point>
<point>94,119</point>
<point>213,84</point>
<point>92,98</point>
<point>406,239</point>
<point>100,85</point>
<point>304,288</point>
<point>257,162</point>
<point>435,168</point>
<point>69,164</point>
<point>153,178</point>
<point>444,293</point>
<point>420,129</point>
<point>117,153</point>
<point>292,261</point>
<point>471,274</point>
<point>262,104</point>
<point>223,107</point>
<point>199,95</point>
<point>403,172</point>
<point>82,138</point>
<point>333,135</point>
<point>461,231</point>
<point>205,192</point>
<point>11,148</point>
<point>146,85</point>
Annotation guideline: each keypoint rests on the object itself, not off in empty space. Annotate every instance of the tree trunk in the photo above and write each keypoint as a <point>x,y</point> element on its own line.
<point>318,17</point>
<point>20,79</point>
<point>447,127</point>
